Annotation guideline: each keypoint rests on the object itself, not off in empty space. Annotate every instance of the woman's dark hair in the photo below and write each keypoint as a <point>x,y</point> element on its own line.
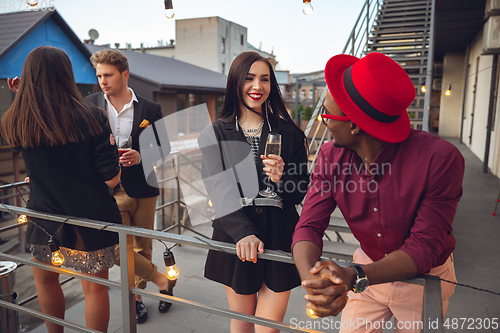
<point>234,90</point>
<point>48,105</point>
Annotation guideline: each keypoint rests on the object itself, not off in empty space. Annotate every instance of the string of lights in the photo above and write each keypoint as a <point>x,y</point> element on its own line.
<point>57,258</point>
<point>447,92</point>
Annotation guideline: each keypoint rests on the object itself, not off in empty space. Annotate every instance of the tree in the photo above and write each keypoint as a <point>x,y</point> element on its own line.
<point>307,113</point>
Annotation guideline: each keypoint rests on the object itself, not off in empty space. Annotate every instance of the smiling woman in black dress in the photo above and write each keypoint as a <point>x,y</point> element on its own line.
<point>253,108</point>
<point>70,163</point>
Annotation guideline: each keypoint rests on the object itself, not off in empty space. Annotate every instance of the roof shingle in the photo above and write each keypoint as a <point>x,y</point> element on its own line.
<point>169,72</point>
<point>14,26</point>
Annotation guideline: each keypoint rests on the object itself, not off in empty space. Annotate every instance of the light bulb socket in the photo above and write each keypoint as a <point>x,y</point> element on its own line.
<point>53,245</point>
<point>168,258</point>
<point>168,4</point>
<point>449,87</point>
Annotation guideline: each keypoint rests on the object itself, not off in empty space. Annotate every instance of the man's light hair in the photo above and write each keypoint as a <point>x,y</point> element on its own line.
<point>110,57</point>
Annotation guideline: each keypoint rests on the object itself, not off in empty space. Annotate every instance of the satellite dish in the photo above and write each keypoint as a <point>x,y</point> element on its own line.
<point>93,34</point>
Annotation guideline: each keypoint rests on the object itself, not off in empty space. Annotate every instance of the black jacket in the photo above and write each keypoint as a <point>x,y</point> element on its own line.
<point>133,178</point>
<point>295,176</point>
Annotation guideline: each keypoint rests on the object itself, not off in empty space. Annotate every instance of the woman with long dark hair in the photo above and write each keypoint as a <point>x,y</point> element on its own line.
<point>70,161</point>
<point>253,109</point>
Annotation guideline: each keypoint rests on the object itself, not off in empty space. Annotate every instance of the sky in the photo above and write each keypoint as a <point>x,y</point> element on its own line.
<point>301,43</point>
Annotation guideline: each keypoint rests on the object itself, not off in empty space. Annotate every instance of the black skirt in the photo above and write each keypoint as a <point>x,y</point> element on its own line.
<point>246,278</point>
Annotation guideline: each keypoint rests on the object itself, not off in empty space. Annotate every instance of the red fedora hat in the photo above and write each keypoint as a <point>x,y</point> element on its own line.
<point>374,92</point>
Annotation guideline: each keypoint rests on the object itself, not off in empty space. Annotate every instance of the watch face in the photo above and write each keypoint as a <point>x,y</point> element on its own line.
<point>361,285</point>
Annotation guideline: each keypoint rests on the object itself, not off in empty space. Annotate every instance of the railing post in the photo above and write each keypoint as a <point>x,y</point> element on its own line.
<point>429,74</point>
<point>177,193</point>
<point>127,270</point>
<point>22,238</point>
<point>162,189</point>
<point>297,115</point>
<point>367,25</point>
<point>432,311</point>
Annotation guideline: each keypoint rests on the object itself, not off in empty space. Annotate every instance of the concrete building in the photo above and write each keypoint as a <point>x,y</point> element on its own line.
<point>470,69</point>
<point>208,42</point>
<point>310,87</point>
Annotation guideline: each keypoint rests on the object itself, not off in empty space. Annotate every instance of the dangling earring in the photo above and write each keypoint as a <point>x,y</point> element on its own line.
<point>267,104</point>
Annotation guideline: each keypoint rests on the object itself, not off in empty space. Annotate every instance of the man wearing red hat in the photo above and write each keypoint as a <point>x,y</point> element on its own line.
<point>398,190</point>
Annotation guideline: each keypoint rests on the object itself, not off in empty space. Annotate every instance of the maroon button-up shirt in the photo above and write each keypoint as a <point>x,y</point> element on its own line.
<point>406,202</point>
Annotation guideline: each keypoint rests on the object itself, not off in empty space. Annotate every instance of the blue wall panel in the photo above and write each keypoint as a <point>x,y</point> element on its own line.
<point>47,34</point>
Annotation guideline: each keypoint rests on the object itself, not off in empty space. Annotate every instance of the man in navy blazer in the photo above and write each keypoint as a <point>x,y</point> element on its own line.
<point>130,114</point>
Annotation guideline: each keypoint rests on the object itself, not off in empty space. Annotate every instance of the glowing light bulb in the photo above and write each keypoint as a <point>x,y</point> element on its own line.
<point>32,3</point>
<point>319,118</point>
<point>57,258</point>
<point>423,89</point>
<point>169,9</point>
<point>169,13</point>
<point>448,90</point>
<point>22,219</point>
<point>210,204</point>
<point>172,273</point>
<point>308,9</point>
<point>311,313</point>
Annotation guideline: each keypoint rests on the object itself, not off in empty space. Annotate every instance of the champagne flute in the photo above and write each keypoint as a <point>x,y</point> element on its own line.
<point>273,146</point>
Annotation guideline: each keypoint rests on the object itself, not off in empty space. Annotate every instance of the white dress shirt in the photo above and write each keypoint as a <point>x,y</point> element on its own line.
<point>121,122</point>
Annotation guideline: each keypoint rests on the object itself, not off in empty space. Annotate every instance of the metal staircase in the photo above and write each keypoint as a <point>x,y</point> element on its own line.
<point>399,29</point>
<point>357,45</point>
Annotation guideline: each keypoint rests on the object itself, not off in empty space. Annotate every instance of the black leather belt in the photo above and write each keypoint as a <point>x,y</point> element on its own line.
<point>273,202</point>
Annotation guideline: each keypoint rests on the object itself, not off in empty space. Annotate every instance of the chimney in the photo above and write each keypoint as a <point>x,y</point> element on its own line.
<point>117,45</point>
<point>172,42</point>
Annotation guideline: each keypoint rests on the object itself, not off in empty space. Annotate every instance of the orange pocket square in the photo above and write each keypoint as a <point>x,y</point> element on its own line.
<point>144,123</point>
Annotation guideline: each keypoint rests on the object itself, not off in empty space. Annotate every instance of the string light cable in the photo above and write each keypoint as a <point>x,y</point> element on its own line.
<point>449,84</point>
<point>432,277</point>
<point>57,258</point>
<point>215,247</point>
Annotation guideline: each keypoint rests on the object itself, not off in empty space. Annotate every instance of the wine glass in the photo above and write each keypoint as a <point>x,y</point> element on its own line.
<point>124,147</point>
<point>273,146</point>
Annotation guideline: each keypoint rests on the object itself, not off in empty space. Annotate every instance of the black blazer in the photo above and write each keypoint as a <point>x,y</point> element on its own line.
<point>250,220</point>
<point>133,178</point>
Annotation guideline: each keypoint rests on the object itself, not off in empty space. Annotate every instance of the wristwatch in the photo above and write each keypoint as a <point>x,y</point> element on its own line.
<point>361,282</point>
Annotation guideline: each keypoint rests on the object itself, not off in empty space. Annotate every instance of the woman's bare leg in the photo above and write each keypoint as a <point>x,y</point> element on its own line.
<point>244,304</point>
<point>96,303</point>
<point>271,305</point>
<point>50,296</point>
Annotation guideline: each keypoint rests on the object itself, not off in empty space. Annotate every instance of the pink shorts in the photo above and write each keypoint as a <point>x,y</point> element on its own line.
<point>372,310</point>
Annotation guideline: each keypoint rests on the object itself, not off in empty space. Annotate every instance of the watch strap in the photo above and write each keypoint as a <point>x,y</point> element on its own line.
<point>359,272</point>
<point>360,277</point>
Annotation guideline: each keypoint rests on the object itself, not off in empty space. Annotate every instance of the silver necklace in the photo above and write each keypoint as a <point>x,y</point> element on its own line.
<point>252,132</point>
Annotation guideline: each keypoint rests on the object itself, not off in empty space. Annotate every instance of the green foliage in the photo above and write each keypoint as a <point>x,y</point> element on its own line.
<point>307,113</point>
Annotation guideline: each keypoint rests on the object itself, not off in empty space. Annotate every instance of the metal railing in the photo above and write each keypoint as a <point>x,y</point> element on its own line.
<point>432,287</point>
<point>178,202</point>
